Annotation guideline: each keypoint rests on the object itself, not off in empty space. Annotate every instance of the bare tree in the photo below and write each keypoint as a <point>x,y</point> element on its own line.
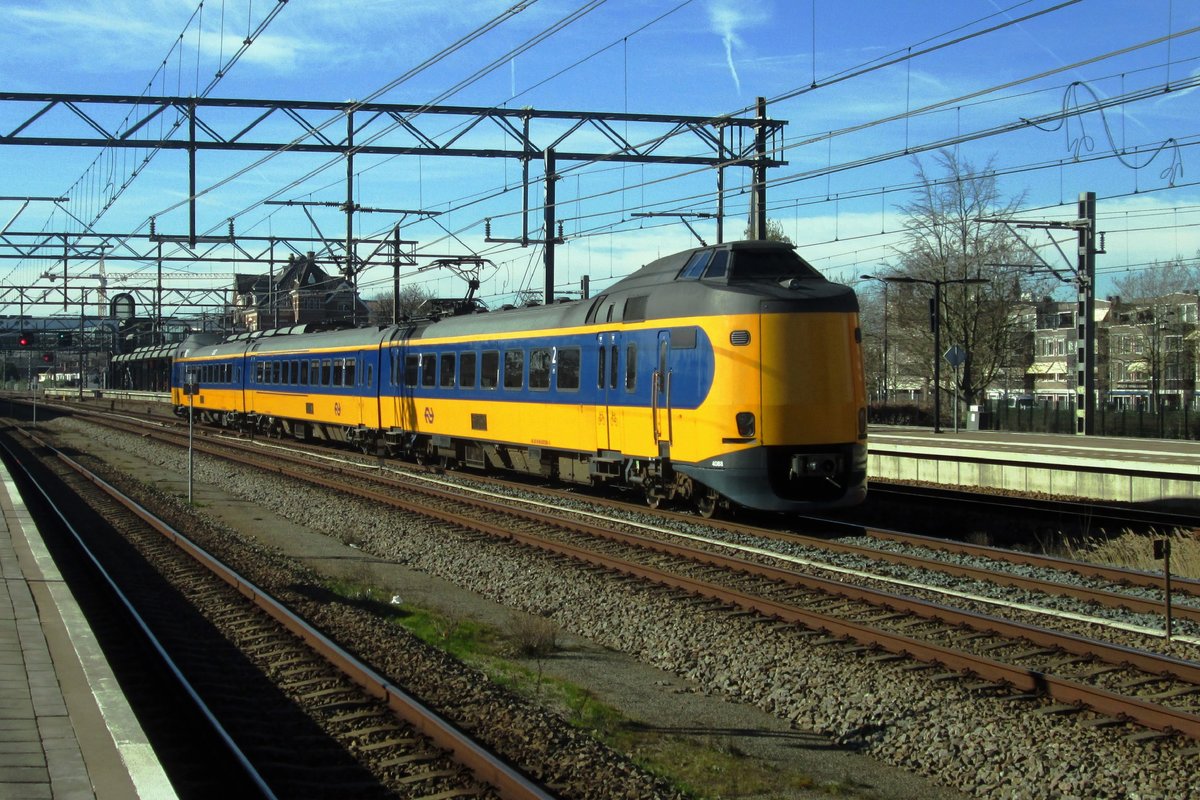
<point>948,242</point>
<point>412,297</point>
<point>775,232</point>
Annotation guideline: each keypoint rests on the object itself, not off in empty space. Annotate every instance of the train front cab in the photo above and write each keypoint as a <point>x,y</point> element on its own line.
<point>788,407</point>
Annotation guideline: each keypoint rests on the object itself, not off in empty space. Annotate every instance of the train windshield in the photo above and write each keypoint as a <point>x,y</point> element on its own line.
<point>770,265</point>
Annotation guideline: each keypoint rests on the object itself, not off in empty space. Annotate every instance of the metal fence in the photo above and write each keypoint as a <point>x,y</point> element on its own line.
<point>1143,422</point>
<point>999,415</point>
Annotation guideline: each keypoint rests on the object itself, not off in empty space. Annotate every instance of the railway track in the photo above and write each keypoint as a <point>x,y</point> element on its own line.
<point>1154,690</point>
<point>303,717</point>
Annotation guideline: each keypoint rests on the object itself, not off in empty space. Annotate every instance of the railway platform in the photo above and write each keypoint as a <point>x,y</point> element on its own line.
<point>1164,473</point>
<point>66,731</point>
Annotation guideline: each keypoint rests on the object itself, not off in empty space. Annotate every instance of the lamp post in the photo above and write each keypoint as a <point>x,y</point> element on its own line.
<point>935,322</point>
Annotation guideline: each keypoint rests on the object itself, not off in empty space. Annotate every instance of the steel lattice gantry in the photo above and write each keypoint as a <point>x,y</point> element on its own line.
<point>348,128</point>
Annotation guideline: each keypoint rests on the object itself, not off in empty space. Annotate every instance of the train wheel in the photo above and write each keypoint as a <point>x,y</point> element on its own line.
<point>653,500</point>
<point>706,503</point>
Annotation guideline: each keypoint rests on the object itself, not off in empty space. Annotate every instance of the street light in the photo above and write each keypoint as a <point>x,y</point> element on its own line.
<point>935,322</point>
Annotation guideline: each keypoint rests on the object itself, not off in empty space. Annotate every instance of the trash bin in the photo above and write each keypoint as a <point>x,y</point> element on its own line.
<point>979,418</point>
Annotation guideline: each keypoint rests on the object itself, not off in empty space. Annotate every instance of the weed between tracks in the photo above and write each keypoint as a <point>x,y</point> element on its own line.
<point>705,767</point>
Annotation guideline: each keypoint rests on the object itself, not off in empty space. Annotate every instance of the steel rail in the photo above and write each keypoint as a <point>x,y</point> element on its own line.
<point>226,738</point>
<point>487,767</point>
<point>1103,597</point>
<point>1022,678</point>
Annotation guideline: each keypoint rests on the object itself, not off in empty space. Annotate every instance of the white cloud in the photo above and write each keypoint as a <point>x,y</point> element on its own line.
<point>728,18</point>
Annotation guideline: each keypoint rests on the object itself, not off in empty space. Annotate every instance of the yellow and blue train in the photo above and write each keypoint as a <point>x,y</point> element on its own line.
<point>724,376</point>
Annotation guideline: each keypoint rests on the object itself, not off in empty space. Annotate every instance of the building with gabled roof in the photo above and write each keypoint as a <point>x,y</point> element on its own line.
<point>301,293</point>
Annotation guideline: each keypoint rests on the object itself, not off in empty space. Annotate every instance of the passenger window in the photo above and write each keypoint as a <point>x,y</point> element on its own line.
<point>338,374</point>
<point>568,368</point>
<point>276,372</point>
<point>446,375</point>
<point>303,379</point>
<point>630,367</point>
<point>428,369</point>
<point>600,368</point>
<point>287,372</point>
<point>412,367</point>
<point>314,372</point>
<point>514,369</point>
<point>326,371</point>
<point>489,374</point>
<point>370,375</point>
<point>539,368</point>
<point>466,370</point>
<point>351,377</point>
<point>612,368</point>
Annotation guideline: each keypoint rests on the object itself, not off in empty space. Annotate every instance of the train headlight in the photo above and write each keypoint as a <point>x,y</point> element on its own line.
<point>745,424</point>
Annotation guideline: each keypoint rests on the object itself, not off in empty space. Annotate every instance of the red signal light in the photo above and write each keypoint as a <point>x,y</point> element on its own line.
<point>23,339</point>
<point>48,358</point>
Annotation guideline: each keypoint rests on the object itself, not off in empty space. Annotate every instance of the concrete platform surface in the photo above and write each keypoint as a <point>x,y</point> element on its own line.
<point>66,731</point>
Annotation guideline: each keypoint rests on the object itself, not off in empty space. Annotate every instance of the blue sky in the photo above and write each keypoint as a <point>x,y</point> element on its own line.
<point>846,139</point>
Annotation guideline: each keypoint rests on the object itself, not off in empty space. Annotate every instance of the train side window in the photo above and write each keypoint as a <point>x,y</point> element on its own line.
<point>326,371</point>
<point>612,368</point>
<point>600,367</point>
<point>370,375</point>
<point>514,369</point>
<point>569,360</point>
<point>718,266</point>
<point>539,368</point>
<point>489,373</point>
<point>296,372</point>
<point>466,370</point>
<point>302,373</point>
<point>428,369</point>
<point>287,373</point>
<point>630,367</point>
<point>339,372</point>
<point>276,372</point>
<point>411,368</point>
<point>695,265</point>
<point>446,371</point>
<point>351,371</point>
<point>314,373</point>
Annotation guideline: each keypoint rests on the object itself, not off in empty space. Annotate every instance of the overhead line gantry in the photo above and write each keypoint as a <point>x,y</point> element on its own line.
<point>231,125</point>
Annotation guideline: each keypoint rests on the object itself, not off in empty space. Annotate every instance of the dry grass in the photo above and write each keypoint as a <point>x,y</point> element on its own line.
<point>533,636</point>
<point>1136,551</point>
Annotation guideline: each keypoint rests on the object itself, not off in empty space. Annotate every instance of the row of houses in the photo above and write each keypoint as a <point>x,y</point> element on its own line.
<point>1146,351</point>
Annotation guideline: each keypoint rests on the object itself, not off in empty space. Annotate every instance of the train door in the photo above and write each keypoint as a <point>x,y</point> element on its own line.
<point>401,384</point>
<point>660,400</point>
<point>609,422</point>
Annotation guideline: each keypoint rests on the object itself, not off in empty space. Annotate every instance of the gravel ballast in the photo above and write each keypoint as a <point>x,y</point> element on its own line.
<point>976,741</point>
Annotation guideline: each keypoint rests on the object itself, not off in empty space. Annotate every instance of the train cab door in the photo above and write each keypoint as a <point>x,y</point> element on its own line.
<point>396,401</point>
<point>660,400</point>
<point>609,422</point>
